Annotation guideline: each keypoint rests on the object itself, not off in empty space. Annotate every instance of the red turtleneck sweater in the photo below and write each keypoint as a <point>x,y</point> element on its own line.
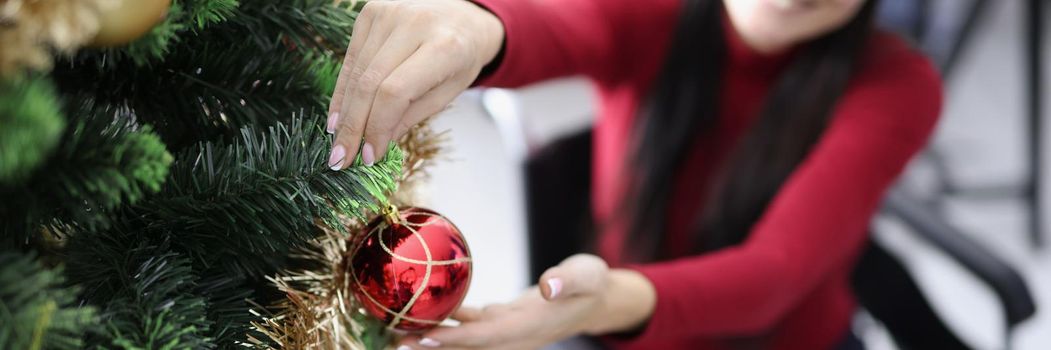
<point>786,286</point>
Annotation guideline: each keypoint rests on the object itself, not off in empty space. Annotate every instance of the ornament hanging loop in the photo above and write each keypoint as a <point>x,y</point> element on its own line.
<point>392,215</point>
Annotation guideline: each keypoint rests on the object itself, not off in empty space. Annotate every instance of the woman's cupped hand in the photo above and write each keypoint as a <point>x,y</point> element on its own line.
<point>560,306</point>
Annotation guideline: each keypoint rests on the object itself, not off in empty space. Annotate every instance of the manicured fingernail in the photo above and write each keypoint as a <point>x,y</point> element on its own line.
<point>555,285</point>
<point>430,343</point>
<point>335,161</point>
<point>404,347</point>
<point>331,125</point>
<point>367,155</point>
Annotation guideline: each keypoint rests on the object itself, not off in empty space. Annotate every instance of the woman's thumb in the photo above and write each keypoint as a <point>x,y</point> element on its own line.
<point>578,274</point>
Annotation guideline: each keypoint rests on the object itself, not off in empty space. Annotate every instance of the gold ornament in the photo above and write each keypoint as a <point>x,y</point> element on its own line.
<point>129,20</point>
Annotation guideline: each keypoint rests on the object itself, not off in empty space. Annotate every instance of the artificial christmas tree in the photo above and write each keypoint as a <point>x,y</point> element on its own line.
<point>172,193</point>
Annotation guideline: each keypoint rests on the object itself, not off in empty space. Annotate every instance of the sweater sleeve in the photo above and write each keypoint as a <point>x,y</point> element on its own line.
<point>599,38</point>
<point>818,221</point>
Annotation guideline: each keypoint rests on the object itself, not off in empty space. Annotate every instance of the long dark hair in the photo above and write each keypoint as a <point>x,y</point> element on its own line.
<point>684,104</point>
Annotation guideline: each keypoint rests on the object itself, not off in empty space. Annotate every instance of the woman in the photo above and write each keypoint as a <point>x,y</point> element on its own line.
<point>741,149</point>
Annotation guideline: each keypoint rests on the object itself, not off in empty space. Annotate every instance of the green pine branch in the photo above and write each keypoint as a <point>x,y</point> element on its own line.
<point>204,12</point>
<point>215,66</point>
<point>245,204</point>
<point>226,85</point>
<point>231,210</point>
<point>36,310</point>
<point>230,89</point>
<point>100,165</point>
<point>155,308</point>
<point>156,43</point>
<point>182,17</point>
<point>206,90</point>
<point>30,126</point>
<point>228,307</point>
<point>305,23</point>
<point>106,164</point>
<point>146,293</point>
<point>266,24</point>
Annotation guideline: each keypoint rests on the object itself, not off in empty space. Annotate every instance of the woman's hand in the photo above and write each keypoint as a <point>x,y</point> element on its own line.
<point>406,61</point>
<point>570,296</point>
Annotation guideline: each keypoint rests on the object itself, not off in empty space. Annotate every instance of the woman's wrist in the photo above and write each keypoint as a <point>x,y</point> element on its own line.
<point>495,35</point>
<point>626,304</point>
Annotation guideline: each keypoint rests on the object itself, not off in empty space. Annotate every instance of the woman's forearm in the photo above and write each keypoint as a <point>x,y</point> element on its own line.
<point>627,304</point>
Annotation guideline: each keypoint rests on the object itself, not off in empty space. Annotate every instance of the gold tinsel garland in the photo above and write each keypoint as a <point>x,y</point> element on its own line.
<point>318,312</point>
<point>32,30</point>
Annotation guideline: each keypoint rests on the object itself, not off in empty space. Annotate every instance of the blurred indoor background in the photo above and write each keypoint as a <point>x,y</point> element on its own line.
<point>975,178</point>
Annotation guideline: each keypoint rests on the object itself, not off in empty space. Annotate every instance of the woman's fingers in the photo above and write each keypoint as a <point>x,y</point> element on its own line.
<point>417,89</point>
<point>469,335</point>
<point>382,90</point>
<point>578,274</point>
<point>494,326</point>
<point>360,34</point>
<point>495,310</point>
<point>403,84</point>
<point>379,56</point>
<point>467,314</point>
<point>414,342</point>
<point>431,103</point>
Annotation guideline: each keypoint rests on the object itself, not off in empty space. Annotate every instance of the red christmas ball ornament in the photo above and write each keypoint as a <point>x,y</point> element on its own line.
<point>410,269</point>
